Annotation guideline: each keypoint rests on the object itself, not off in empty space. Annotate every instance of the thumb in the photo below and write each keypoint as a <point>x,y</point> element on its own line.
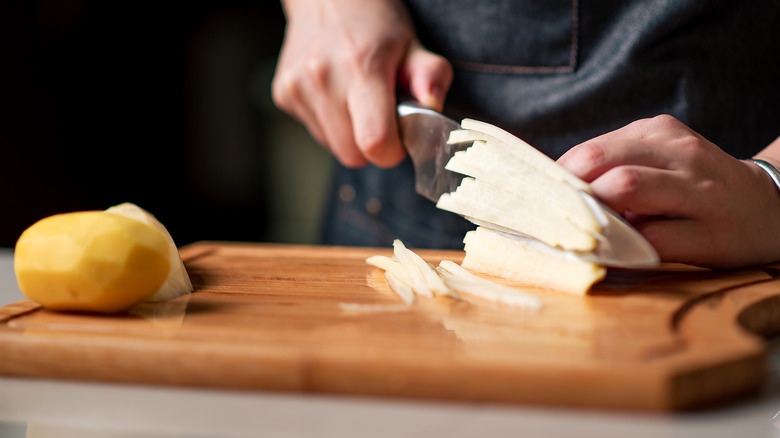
<point>428,76</point>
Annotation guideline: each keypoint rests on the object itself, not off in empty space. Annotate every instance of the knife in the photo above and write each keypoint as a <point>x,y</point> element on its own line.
<point>424,134</point>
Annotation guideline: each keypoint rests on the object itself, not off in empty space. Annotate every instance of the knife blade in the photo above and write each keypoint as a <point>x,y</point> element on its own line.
<point>425,134</point>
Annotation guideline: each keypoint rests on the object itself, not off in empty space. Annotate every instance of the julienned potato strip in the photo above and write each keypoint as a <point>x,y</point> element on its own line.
<point>404,270</point>
<point>468,284</point>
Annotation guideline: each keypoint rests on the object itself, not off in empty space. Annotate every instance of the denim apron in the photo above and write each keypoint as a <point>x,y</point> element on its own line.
<point>559,72</point>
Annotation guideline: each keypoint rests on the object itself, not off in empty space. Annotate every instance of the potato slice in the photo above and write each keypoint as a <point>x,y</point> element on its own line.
<point>400,287</point>
<point>416,278</point>
<point>528,186</point>
<point>390,265</point>
<point>514,147</point>
<point>433,283</point>
<point>468,284</point>
<point>498,254</point>
<point>475,198</point>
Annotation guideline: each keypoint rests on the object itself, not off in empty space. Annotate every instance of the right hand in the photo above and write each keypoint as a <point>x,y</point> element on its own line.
<point>337,74</point>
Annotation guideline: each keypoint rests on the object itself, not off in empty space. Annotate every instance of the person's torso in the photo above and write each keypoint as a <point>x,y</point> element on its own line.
<point>558,72</point>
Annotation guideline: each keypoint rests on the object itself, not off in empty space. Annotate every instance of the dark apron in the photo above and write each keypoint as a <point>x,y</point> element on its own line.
<point>559,72</point>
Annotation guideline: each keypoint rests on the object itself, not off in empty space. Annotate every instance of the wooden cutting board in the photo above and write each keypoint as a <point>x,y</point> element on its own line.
<point>318,319</point>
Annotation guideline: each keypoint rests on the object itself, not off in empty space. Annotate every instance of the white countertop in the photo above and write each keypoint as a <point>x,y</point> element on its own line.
<point>33,408</point>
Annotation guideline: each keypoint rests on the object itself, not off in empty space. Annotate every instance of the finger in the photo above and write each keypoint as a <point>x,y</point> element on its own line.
<point>371,106</point>
<point>429,76</point>
<point>593,158</point>
<point>646,191</point>
<point>322,105</point>
<point>681,241</point>
<point>287,96</point>
<point>338,132</point>
<point>641,143</point>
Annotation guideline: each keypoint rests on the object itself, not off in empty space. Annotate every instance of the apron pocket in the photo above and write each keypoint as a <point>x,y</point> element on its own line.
<point>505,36</point>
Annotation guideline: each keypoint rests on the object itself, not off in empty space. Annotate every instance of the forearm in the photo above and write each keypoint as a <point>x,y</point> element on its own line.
<point>771,154</point>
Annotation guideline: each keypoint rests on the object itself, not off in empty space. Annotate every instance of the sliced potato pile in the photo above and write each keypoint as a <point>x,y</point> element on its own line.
<point>514,188</point>
<point>410,276</point>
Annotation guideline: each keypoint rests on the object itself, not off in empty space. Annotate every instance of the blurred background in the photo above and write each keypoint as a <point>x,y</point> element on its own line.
<point>164,104</point>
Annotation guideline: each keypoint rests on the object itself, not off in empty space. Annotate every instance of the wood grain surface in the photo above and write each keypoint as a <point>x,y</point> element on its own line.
<point>318,319</point>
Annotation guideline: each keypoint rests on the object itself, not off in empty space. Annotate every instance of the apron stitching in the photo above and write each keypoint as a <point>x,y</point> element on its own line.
<point>526,69</point>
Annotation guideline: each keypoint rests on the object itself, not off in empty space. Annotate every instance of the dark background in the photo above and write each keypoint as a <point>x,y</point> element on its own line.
<point>103,102</point>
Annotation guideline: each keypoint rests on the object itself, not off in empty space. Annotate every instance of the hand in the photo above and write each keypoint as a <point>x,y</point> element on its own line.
<point>338,70</point>
<point>693,202</point>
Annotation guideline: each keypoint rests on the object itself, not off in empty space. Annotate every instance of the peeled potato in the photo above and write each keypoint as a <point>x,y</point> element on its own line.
<point>91,261</point>
<point>178,282</point>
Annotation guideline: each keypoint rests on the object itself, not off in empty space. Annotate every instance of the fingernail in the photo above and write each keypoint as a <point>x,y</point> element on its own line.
<point>433,99</point>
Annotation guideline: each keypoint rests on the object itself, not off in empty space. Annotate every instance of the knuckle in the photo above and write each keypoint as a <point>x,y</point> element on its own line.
<point>380,148</point>
<point>284,90</point>
<point>317,72</point>
<point>691,148</point>
<point>691,143</point>
<point>665,120</point>
<point>626,181</point>
<point>592,153</point>
<point>367,56</point>
<point>712,189</point>
<point>372,141</point>
<point>363,62</point>
<point>362,52</point>
<point>640,128</point>
<point>643,129</point>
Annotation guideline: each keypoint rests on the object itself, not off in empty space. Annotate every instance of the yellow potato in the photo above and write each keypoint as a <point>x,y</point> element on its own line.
<point>91,261</point>
<point>178,282</point>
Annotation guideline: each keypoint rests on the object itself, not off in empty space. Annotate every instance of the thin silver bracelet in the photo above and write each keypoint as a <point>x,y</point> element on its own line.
<point>769,169</point>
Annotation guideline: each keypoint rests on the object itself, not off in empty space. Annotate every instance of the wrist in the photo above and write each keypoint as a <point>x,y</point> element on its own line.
<point>769,169</point>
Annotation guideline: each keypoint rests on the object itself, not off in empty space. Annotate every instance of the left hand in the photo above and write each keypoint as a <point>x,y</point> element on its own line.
<point>692,201</point>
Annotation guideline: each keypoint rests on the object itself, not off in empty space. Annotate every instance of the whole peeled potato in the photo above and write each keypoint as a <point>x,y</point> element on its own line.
<point>91,261</point>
